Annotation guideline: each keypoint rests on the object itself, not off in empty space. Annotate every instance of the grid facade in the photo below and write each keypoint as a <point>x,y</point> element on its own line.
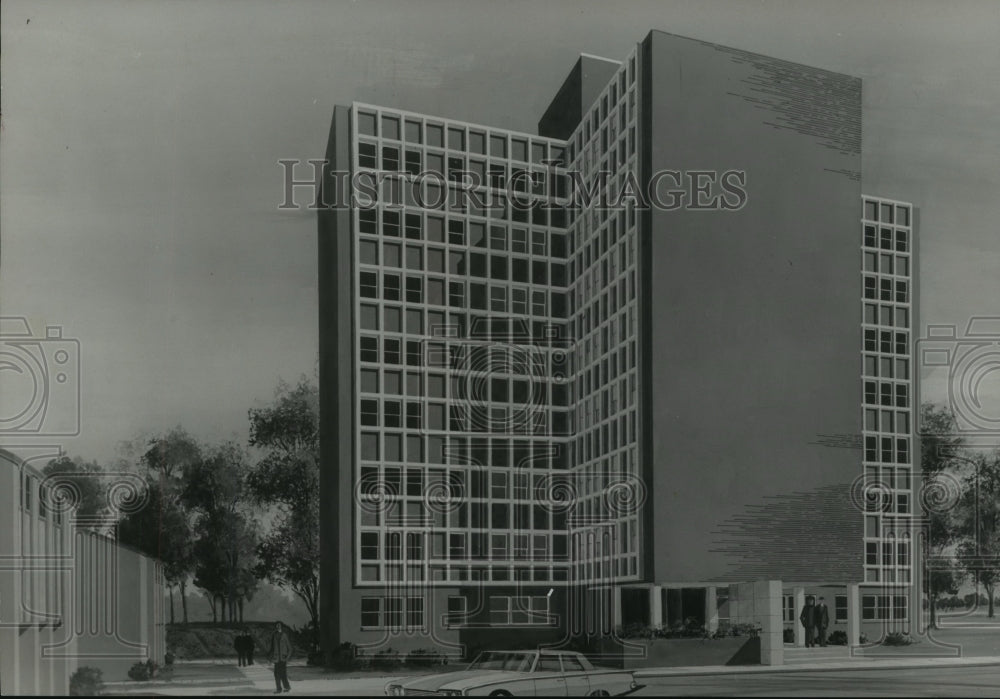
<point>887,314</point>
<point>603,150</point>
<point>461,356</point>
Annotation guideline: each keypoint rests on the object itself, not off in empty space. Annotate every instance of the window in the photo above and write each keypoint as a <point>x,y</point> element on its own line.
<point>371,612</point>
<point>369,413</point>
<point>369,285</point>
<point>369,349</point>
<point>840,609</point>
<point>789,609</point>
<point>390,287</point>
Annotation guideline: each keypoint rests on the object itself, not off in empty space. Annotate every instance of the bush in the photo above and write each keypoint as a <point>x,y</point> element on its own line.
<point>387,659</point>
<point>143,672</point>
<point>346,658</point>
<point>168,659</point>
<point>637,630</point>
<point>863,639</point>
<point>751,630</point>
<point>837,638</point>
<point>788,636</point>
<point>897,639</point>
<point>421,657</point>
<point>86,682</point>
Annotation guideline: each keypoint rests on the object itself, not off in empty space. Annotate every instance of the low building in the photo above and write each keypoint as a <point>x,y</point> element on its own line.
<point>70,595</point>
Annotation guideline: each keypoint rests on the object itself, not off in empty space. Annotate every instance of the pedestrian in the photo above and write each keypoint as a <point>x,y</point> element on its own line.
<point>822,621</point>
<point>240,650</point>
<point>278,653</point>
<point>808,619</point>
<point>249,645</point>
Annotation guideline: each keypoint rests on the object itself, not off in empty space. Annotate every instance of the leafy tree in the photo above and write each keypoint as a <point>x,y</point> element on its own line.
<point>227,542</point>
<point>166,458</point>
<point>87,478</point>
<point>940,460</point>
<point>978,524</point>
<point>285,478</point>
<point>162,530</point>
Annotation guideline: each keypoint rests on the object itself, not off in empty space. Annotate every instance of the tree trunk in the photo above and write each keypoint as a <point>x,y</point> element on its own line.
<point>184,604</point>
<point>211,602</point>
<point>989,593</point>
<point>933,606</point>
<point>239,603</point>
<point>170,589</point>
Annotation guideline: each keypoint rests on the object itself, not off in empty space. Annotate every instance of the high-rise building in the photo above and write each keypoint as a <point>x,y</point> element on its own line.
<point>591,377</point>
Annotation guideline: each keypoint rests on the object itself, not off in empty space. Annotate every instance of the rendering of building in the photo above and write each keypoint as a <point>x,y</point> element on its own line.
<point>70,596</point>
<point>595,376</point>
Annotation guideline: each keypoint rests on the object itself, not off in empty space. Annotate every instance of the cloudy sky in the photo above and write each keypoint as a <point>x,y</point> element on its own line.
<point>139,182</point>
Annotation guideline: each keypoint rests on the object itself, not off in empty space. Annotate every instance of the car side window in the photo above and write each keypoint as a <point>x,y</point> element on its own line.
<point>548,663</point>
<point>572,664</point>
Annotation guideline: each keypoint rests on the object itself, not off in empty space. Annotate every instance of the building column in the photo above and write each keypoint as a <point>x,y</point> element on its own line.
<point>800,630</point>
<point>655,607</point>
<point>616,607</point>
<point>711,609</point>
<point>853,616</point>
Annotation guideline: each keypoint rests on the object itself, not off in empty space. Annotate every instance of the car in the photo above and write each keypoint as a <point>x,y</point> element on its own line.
<point>507,673</point>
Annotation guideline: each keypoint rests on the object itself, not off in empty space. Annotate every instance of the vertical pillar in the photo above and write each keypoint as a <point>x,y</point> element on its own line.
<point>768,612</point>
<point>655,607</point>
<point>800,630</point>
<point>711,609</point>
<point>616,606</point>
<point>853,616</point>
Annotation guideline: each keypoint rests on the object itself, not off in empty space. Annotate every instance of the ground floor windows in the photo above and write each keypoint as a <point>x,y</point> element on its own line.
<point>883,607</point>
<point>392,612</point>
<point>518,611</point>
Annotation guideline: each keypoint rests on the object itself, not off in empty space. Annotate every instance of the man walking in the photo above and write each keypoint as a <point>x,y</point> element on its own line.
<point>248,645</point>
<point>808,619</point>
<point>822,621</point>
<point>240,647</point>
<point>279,653</point>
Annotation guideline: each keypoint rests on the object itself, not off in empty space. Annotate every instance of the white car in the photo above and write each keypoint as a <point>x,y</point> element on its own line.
<point>507,673</point>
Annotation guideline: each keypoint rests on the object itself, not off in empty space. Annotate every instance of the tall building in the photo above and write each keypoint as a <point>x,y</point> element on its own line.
<point>592,377</point>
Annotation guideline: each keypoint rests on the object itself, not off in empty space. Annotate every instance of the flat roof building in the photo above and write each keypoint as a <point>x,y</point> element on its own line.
<point>592,377</point>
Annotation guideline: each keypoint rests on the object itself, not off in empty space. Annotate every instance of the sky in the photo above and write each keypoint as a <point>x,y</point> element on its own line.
<point>139,176</point>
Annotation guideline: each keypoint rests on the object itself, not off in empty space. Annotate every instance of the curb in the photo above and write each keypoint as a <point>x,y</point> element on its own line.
<point>851,665</point>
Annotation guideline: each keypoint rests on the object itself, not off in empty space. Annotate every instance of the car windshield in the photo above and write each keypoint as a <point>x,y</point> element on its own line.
<point>498,660</point>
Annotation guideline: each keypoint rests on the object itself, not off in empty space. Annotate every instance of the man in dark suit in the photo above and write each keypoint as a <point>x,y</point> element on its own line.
<point>822,618</point>
<point>249,645</point>
<point>808,619</point>
<point>240,650</point>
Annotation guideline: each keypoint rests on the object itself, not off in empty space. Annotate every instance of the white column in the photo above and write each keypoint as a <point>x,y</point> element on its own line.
<point>711,610</point>
<point>655,607</point>
<point>853,615</point>
<point>800,630</point>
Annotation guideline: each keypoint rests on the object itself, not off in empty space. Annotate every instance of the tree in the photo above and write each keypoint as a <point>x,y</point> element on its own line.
<point>978,524</point>
<point>285,478</point>
<point>940,461</point>
<point>162,530</point>
<point>226,546</point>
<point>166,458</point>
<point>87,480</point>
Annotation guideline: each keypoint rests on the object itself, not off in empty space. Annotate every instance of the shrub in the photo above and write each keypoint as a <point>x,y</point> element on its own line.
<point>788,636</point>
<point>421,657</point>
<point>86,682</point>
<point>387,659</point>
<point>346,658</point>
<point>897,639</point>
<point>637,630</point>
<point>863,639</point>
<point>168,659</point>
<point>746,629</point>
<point>143,672</point>
<point>837,638</point>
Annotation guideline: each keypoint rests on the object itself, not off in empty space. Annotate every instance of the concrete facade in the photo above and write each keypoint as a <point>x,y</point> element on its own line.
<point>712,427</point>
